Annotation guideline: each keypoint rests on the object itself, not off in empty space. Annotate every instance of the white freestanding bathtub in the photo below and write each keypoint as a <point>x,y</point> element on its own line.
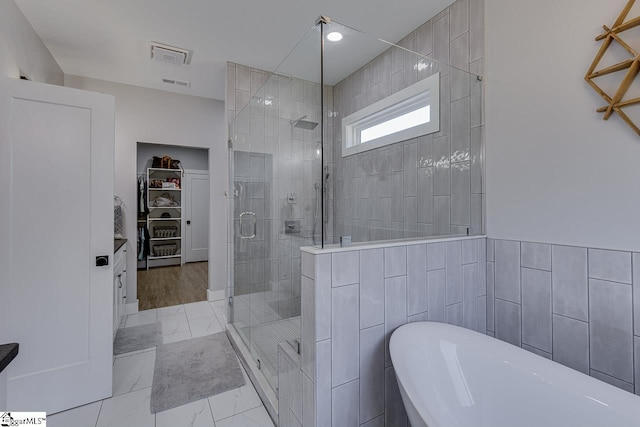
<point>450,376</point>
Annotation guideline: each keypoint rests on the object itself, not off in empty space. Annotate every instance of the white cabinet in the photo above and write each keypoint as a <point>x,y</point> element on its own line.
<point>119,285</point>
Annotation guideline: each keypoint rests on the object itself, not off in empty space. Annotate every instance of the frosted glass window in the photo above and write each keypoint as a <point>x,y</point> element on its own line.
<point>407,114</point>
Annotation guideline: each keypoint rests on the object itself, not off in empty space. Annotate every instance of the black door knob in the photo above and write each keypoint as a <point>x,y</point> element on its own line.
<point>188,222</point>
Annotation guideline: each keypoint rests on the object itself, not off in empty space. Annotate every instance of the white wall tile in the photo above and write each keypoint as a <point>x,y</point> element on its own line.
<point>371,288</point>
<point>371,372</point>
<point>536,255</point>
<point>435,256</point>
<point>416,279</point>
<point>395,261</point>
<point>569,281</point>
<point>536,309</point>
<point>454,272</point>
<point>614,266</point>
<point>508,322</point>
<point>395,308</point>
<point>436,288</point>
<point>507,270</point>
<point>345,405</point>
<point>470,303</point>
<point>571,343</point>
<point>308,326</point>
<point>395,414</point>
<point>345,334</point>
<point>611,329</point>
<point>323,383</point>
<point>345,268</point>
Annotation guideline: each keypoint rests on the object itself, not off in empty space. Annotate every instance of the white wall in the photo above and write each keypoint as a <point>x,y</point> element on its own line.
<point>173,119</point>
<point>190,158</point>
<point>21,49</point>
<point>556,172</point>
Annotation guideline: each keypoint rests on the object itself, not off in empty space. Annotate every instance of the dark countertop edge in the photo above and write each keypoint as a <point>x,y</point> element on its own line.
<point>117,244</point>
<point>8,352</point>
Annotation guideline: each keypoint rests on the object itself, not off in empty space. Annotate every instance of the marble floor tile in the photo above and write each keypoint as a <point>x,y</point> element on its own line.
<point>81,416</point>
<point>198,310</point>
<point>257,417</point>
<point>167,311</point>
<point>173,324</point>
<point>233,402</point>
<point>194,414</point>
<point>128,410</point>
<point>133,372</point>
<point>205,326</point>
<point>180,336</point>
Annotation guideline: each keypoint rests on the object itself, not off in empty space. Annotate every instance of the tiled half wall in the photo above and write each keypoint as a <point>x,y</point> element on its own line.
<point>577,306</point>
<point>354,298</point>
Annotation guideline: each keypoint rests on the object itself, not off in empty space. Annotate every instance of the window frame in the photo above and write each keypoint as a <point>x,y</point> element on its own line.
<point>402,102</point>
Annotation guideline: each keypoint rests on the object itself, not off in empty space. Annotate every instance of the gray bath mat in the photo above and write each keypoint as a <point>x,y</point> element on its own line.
<point>136,338</point>
<point>192,370</point>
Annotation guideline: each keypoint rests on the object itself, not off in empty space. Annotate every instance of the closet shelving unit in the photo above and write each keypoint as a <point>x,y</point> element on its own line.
<point>154,218</point>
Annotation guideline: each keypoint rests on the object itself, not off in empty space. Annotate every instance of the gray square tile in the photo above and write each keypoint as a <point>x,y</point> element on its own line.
<point>477,145</point>
<point>454,272</point>
<point>571,343</point>
<point>344,407</point>
<point>345,334</point>
<point>425,195</point>
<point>345,268</point>
<point>507,270</point>
<point>536,255</point>
<point>371,288</point>
<point>395,261</point>
<point>436,284</point>
<point>614,266</point>
<point>454,315</point>
<point>436,256</point>
<point>395,308</point>
<point>441,40</point>
<point>470,303</point>
<point>416,279</point>
<point>611,329</point>
<point>569,281</point>
<point>395,413</point>
<point>536,309</point>
<point>410,170</point>
<point>508,322</point>
<point>371,373</point>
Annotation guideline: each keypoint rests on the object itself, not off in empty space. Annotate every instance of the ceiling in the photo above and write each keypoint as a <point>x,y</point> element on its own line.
<point>109,39</point>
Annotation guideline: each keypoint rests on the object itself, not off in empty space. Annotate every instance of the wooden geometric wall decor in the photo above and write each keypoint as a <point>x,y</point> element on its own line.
<point>632,65</point>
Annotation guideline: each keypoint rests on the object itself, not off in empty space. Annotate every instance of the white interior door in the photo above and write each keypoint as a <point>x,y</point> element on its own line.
<point>197,216</point>
<point>57,174</point>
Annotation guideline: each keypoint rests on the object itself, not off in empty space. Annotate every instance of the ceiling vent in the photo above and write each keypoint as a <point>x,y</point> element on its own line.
<point>175,82</point>
<point>170,54</point>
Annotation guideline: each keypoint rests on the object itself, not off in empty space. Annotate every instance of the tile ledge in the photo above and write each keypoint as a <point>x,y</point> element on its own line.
<point>384,244</point>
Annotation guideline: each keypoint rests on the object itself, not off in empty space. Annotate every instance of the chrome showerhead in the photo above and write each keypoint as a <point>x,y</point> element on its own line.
<point>302,123</point>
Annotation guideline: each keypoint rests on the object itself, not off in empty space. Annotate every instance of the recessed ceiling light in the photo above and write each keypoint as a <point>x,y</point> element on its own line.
<point>334,36</point>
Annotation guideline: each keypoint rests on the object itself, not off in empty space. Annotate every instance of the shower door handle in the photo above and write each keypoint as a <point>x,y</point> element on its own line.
<point>245,217</point>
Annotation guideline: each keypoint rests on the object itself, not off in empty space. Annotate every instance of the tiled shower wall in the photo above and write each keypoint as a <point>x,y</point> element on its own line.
<point>432,185</point>
<point>271,161</point>
<point>353,299</point>
<point>577,306</point>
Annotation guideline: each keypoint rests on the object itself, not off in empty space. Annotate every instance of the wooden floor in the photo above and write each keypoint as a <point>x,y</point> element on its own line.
<point>167,286</point>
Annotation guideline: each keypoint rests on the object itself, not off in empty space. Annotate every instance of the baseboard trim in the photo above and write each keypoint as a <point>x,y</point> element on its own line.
<point>215,295</point>
<point>131,308</point>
